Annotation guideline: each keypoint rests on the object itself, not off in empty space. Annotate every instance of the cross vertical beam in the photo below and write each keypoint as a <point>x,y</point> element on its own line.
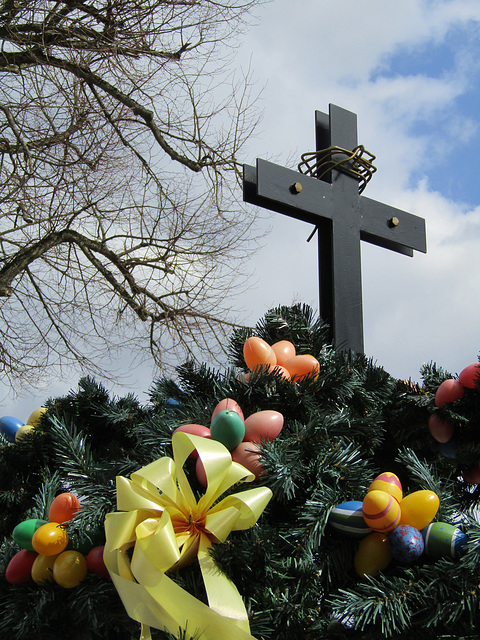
<point>342,217</point>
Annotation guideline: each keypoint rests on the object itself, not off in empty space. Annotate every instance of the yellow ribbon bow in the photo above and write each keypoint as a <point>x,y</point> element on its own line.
<point>160,517</point>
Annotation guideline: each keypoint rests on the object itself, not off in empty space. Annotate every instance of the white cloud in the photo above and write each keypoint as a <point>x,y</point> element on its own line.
<point>418,309</point>
<point>313,53</point>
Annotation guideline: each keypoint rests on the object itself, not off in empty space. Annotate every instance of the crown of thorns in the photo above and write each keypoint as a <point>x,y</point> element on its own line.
<point>356,163</point>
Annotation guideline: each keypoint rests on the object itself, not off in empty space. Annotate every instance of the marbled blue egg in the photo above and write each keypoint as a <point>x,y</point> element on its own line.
<point>348,518</point>
<point>443,540</point>
<point>9,427</point>
<point>406,544</point>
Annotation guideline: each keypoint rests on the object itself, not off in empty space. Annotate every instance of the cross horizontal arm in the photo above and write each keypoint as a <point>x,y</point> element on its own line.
<point>391,228</point>
<point>270,186</point>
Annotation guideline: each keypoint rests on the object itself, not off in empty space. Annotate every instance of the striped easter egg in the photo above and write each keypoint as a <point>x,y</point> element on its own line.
<point>443,540</point>
<point>389,483</point>
<point>381,511</point>
<point>348,518</point>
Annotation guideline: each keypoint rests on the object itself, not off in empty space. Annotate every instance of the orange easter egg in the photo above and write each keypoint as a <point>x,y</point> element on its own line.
<point>284,350</point>
<point>63,508</point>
<point>381,511</point>
<point>373,555</point>
<point>302,366</point>
<point>419,508</point>
<point>277,369</point>
<point>258,353</point>
<point>389,483</point>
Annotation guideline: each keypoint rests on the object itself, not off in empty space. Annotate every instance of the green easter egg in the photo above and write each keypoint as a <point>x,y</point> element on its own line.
<point>228,428</point>
<point>23,532</point>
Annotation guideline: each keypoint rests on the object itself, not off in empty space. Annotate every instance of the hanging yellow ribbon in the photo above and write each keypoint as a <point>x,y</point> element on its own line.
<point>160,517</point>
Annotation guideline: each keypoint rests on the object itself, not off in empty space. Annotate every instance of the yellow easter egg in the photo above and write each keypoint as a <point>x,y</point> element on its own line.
<point>373,555</point>
<point>34,418</point>
<point>389,483</point>
<point>26,428</point>
<point>50,539</point>
<point>381,511</point>
<point>42,568</point>
<point>419,508</point>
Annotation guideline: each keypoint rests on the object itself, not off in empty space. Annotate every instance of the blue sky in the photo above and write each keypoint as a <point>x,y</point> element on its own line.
<point>411,72</point>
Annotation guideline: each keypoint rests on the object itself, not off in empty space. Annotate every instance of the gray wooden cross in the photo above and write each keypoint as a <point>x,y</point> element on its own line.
<point>342,217</point>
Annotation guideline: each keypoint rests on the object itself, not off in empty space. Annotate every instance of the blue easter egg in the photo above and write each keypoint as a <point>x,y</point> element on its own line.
<point>9,427</point>
<point>406,544</point>
<point>448,449</point>
<point>348,518</point>
<point>443,540</point>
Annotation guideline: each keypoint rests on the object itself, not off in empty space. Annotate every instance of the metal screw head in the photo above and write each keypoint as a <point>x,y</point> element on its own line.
<point>296,187</point>
<point>393,222</point>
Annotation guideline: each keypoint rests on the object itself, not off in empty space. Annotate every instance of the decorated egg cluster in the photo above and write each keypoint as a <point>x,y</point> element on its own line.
<point>280,357</point>
<point>441,428</point>
<point>241,436</point>
<point>13,429</point>
<point>44,554</point>
<point>395,527</point>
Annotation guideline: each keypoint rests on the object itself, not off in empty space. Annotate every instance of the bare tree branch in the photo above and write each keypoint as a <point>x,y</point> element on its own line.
<point>120,223</point>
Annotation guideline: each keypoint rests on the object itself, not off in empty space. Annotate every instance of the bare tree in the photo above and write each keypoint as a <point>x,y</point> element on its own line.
<point>120,125</point>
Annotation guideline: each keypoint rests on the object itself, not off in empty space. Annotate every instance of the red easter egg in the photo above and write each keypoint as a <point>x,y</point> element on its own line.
<point>229,404</point>
<point>63,508</point>
<point>19,568</point>
<point>248,455</point>
<point>302,366</point>
<point>470,376</point>
<point>258,353</point>
<point>95,561</point>
<point>200,471</point>
<point>194,430</point>
<point>449,391</point>
<point>440,428</point>
<point>263,425</point>
<point>284,350</point>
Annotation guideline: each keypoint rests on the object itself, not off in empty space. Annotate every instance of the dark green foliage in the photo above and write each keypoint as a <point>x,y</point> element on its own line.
<point>295,573</point>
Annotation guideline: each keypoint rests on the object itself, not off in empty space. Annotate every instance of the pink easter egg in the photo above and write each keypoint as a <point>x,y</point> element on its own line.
<point>248,455</point>
<point>441,428</point>
<point>230,405</point>
<point>194,430</point>
<point>470,376</point>
<point>449,391</point>
<point>472,475</point>
<point>263,425</point>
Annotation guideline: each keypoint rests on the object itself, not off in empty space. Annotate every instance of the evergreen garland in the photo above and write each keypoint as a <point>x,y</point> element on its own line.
<point>296,574</point>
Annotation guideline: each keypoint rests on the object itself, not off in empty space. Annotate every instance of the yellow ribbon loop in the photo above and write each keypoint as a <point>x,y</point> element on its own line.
<point>160,518</point>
